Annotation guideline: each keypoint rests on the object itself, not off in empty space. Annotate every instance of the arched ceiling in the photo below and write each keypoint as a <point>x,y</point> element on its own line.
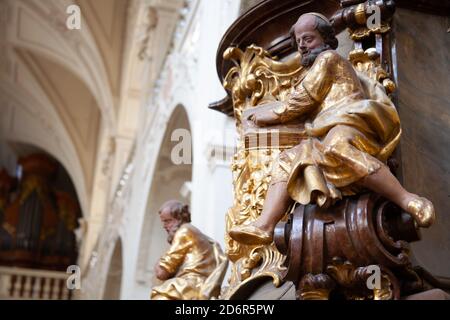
<point>40,27</point>
<point>59,88</point>
<point>107,20</point>
<point>69,91</point>
<point>74,104</point>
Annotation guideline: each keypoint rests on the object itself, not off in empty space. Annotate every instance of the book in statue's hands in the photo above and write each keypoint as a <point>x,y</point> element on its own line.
<point>283,136</point>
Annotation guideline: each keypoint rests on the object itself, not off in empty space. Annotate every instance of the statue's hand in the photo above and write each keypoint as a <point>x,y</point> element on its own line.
<point>264,118</point>
<point>161,273</point>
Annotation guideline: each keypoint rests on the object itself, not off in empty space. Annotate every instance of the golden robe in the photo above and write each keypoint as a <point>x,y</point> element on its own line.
<point>197,263</point>
<point>351,126</point>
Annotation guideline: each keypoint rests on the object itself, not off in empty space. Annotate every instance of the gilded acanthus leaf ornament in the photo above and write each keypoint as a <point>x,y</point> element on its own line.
<point>257,78</point>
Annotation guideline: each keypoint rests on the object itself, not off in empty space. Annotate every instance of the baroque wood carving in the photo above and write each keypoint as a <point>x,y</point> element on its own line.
<point>330,252</point>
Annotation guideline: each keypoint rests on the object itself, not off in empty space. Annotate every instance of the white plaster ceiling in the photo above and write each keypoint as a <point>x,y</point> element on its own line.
<point>69,92</point>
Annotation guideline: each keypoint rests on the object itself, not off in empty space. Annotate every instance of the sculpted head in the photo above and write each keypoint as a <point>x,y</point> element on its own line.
<point>172,215</point>
<point>311,35</point>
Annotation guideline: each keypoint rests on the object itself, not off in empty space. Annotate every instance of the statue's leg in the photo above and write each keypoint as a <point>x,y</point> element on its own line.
<point>352,152</point>
<point>260,231</point>
<point>275,206</point>
<point>386,184</point>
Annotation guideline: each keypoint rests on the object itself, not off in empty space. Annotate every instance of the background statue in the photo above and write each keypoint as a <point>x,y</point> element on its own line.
<point>194,266</point>
<point>352,128</point>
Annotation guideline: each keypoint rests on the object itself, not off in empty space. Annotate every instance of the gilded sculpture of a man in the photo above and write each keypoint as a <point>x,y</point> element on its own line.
<point>194,266</point>
<point>352,128</point>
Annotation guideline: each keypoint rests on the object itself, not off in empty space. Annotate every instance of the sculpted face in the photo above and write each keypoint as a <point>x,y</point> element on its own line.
<point>309,41</point>
<point>170,223</point>
<point>306,34</point>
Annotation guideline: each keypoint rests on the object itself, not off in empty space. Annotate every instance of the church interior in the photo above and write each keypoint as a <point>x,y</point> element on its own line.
<point>111,108</point>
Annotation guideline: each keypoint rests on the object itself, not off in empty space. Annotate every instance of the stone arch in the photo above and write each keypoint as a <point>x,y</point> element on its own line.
<point>113,284</point>
<point>169,181</point>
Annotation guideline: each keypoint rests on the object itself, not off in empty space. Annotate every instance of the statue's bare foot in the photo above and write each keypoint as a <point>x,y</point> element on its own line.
<point>422,210</point>
<point>251,234</point>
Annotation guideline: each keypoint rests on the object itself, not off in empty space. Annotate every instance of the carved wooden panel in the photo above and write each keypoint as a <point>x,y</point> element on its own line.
<point>423,63</point>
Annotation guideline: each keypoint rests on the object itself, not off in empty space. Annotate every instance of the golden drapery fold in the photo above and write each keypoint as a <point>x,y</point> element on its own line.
<point>352,128</point>
<point>197,263</point>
